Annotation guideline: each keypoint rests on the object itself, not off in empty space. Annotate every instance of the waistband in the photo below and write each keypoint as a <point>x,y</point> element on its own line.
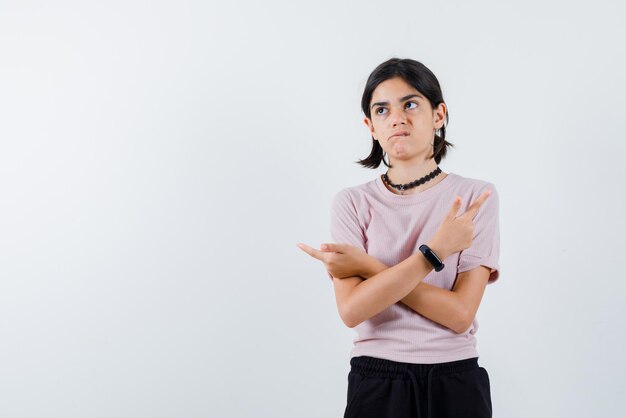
<point>377,367</point>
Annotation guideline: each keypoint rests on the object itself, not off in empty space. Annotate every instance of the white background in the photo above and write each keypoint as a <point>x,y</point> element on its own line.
<point>159,161</point>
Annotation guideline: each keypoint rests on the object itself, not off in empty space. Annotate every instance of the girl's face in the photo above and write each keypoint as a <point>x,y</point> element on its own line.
<point>402,120</point>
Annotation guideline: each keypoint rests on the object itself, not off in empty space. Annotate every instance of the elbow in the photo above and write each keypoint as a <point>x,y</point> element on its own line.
<point>348,316</point>
<point>463,321</point>
<point>349,323</point>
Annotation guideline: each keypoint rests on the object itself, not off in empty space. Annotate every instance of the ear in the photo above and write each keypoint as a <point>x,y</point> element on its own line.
<point>440,115</point>
<point>370,125</point>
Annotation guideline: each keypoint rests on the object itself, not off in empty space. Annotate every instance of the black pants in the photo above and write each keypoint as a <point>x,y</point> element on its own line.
<point>379,388</point>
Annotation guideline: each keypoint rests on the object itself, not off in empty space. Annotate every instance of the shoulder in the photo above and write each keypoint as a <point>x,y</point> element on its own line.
<point>474,185</point>
<point>355,195</point>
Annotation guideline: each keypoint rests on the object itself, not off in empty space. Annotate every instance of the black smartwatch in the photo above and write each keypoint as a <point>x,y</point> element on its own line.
<point>431,257</point>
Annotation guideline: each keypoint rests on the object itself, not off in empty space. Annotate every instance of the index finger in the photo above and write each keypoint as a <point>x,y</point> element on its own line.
<point>311,251</point>
<point>477,203</point>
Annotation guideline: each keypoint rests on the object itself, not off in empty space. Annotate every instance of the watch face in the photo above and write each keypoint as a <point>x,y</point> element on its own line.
<point>431,257</point>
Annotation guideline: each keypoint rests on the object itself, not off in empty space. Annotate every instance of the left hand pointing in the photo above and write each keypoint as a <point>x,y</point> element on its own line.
<point>341,260</point>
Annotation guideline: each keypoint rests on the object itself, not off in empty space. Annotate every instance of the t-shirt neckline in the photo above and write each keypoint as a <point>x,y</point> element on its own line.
<point>414,198</point>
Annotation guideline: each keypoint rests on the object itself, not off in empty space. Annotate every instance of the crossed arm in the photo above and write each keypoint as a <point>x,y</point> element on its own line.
<point>454,309</point>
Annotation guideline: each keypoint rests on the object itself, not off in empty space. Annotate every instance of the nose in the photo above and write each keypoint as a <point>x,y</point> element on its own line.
<point>398,117</point>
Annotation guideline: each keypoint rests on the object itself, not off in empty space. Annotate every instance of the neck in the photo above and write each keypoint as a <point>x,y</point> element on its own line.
<point>403,174</point>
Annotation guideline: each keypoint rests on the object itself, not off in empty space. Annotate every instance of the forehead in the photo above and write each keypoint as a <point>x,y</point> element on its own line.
<point>392,90</point>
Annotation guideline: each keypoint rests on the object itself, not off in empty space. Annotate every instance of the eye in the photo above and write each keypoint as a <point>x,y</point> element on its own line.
<point>379,109</point>
<point>412,103</point>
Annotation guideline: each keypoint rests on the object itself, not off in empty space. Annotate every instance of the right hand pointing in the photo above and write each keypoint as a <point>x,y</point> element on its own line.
<point>456,233</point>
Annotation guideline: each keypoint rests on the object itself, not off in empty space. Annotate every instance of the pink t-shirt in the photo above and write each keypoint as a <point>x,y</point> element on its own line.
<point>391,227</point>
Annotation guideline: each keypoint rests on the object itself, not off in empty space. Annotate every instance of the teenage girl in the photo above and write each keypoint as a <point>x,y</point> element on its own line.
<point>414,251</point>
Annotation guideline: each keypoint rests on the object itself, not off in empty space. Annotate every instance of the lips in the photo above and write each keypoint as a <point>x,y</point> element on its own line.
<point>399,133</point>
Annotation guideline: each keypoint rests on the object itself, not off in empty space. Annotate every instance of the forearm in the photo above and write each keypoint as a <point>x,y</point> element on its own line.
<point>440,305</point>
<point>385,287</point>
<point>443,306</point>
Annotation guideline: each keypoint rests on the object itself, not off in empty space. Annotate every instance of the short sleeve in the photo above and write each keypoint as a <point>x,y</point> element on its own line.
<point>344,222</point>
<point>485,248</point>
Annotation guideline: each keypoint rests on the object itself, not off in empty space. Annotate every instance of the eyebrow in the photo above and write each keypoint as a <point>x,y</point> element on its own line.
<point>407,97</point>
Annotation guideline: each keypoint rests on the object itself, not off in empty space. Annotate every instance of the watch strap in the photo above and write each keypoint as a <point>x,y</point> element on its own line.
<point>431,257</point>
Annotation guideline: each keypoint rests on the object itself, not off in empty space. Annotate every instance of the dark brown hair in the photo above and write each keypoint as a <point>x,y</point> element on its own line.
<point>423,80</point>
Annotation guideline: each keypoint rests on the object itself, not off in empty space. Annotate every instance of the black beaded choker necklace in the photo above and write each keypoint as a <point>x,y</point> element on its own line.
<point>403,187</point>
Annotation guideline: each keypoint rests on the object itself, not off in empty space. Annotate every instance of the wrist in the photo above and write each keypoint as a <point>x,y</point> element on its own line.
<point>438,249</point>
<point>366,269</point>
<point>432,257</point>
<point>370,266</point>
